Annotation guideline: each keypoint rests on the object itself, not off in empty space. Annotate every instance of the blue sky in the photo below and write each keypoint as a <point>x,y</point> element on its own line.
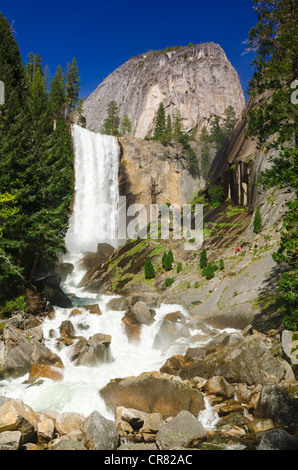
<point>103,35</point>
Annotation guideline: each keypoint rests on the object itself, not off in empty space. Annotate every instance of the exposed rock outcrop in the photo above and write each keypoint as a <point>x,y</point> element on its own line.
<point>196,80</point>
<point>153,393</point>
<point>152,173</point>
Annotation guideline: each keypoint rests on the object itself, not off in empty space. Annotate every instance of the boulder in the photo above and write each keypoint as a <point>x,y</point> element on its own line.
<point>67,329</point>
<point>172,328</point>
<point>173,365</point>
<point>247,360</point>
<point>19,352</point>
<point>153,393</point>
<point>10,440</point>
<point>138,421</point>
<point>63,443</point>
<point>141,313</point>
<point>16,416</point>
<point>118,304</point>
<point>93,351</point>
<point>278,439</point>
<point>276,404</point>
<point>68,421</point>
<point>219,386</point>
<point>63,270</point>
<point>287,349</point>
<point>36,303</point>
<point>137,315</point>
<point>49,287</point>
<point>75,312</point>
<point>184,430</point>
<point>134,418</point>
<point>45,429</point>
<point>100,433</point>
<point>93,308</point>
<point>42,370</point>
<point>151,299</point>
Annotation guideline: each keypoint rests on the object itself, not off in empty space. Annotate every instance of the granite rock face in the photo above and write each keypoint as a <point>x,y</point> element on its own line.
<point>197,80</point>
<point>153,173</point>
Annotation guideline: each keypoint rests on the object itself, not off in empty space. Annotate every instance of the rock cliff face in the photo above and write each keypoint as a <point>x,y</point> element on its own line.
<point>152,173</point>
<point>237,167</point>
<point>197,80</point>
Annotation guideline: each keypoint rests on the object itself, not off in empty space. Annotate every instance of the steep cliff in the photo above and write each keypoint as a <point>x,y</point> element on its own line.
<point>196,80</point>
<point>152,173</point>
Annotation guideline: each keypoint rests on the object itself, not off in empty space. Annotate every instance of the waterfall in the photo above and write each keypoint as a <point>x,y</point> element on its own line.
<point>94,217</point>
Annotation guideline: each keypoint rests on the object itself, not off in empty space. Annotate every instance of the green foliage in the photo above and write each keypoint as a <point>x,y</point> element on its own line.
<point>218,135</point>
<point>193,163</point>
<point>149,269</point>
<point>209,271</point>
<point>112,121</point>
<point>203,259</point>
<point>167,260</point>
<point>72,85</point>
<point>216,195</point>
<point>36,164</point>
<point>275,42</point>
<point>15,305</point>
<point>126,125</point>
<point>179,267</point>
<point>57,95</point>
<point>257,222</point>
<point>160,123</point>
<point>206,160</point>
<point>221,264</point>
<point>169,281</point>
<point>221,128</point>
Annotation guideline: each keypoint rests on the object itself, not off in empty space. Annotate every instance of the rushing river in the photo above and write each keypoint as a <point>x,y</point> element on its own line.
<point>96,184</point>
<point>78,391</point>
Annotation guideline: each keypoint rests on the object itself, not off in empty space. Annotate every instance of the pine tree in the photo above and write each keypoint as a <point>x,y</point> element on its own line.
<point>126,125</point>
<point>36,166</point>
<point>203,259</point>
<point>229,120</point>
<point>72,86</point>
<point>177,126</point>
<point>257,222</point>
<point>168,130</point>
<point>217,133</point>
<point>112,121</point>
<point>209,271</point>
<point>57,95</point>
<point>149,269</point>
<point>167,260</point>
<point>206,160</point>
<point>204,135</point>
<point>34,64</point>
<point>160,123</point>
<point>221,264</point>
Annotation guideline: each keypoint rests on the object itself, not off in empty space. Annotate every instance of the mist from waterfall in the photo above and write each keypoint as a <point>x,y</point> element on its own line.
<point>94,218</point>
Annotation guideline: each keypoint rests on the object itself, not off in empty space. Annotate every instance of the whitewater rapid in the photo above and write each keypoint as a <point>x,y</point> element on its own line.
<point>96,187</point>
<point>79,389</point>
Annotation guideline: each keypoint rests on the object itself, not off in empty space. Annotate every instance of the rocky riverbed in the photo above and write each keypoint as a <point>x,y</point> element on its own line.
<point>219,390</point>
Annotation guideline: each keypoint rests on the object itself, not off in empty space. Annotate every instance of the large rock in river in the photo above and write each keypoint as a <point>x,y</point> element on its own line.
<point>19,352</point>
<point>153,393</point>
<point>245,361</point>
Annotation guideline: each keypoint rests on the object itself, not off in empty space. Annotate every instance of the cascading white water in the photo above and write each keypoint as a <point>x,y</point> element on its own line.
<point>96,175</point>
<point>94,217</point>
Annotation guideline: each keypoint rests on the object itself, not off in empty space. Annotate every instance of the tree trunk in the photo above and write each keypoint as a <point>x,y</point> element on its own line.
<point>36,256</point>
